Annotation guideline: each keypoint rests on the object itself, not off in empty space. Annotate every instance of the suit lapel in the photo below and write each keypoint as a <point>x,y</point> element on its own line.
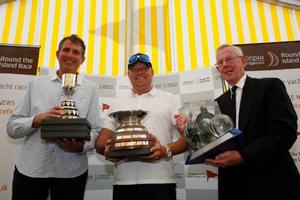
<point>247,100</point>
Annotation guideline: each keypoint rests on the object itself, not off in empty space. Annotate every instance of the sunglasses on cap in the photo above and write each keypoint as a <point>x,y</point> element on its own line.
<point>139,57</point>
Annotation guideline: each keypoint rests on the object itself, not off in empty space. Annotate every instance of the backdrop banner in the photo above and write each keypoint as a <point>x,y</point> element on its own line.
<point>19,59</point>
<point>18,65</point>
<point>194,182</point>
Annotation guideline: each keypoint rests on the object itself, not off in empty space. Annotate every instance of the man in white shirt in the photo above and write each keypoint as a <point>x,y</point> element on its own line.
<point>151,177</point>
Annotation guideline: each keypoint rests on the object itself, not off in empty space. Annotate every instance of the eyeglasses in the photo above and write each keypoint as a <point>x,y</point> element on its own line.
<point>142,57</point>
<point>228,60</point>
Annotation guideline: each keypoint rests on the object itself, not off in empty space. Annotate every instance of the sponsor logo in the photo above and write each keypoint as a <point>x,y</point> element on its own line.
<point>107,87</point>
<point>196,81</point>
<point>290,58</point>
<point>105,106</point>
<point>274,60</point>
<point>7,102</point>
<point>210,174</point>
<point>255,60</point>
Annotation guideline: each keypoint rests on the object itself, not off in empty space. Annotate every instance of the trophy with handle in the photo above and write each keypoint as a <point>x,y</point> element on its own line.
<point>208,132</point>
<point>70,125</point>
<point>131,139</point>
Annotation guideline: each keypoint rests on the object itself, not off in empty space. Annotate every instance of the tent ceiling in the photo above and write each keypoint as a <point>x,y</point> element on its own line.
<point>285,3</point>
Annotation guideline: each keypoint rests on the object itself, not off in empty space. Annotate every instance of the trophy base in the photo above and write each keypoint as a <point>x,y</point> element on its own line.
<point>232,140</point>
<point>133,153</point>
<point>52,129</point>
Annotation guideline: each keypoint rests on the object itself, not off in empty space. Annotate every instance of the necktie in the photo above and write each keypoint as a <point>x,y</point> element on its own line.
<point>232,108</point>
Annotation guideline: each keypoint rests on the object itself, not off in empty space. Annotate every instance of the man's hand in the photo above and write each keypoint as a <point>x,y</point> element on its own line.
<point>55,112</point>
<point>157,151</point>
<point>226,159</point>
<point>107,148</point>
<point>181,121</point>
<point>71,145</point>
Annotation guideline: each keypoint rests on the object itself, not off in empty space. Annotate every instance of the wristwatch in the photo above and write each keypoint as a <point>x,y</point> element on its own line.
<point>168,155</point>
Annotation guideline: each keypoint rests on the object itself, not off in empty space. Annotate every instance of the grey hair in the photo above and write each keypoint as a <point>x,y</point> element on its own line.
<point>237,50</point>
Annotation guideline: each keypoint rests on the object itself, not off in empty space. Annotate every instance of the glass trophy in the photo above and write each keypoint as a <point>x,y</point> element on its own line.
<point>208,132</point>
<point>70,125</point>
<point>131,138</point>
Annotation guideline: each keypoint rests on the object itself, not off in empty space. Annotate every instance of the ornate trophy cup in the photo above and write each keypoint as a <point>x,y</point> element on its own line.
<point>69,82</point>
<point>208,131</point>
<point>70,125</point>
<point>131,139</point>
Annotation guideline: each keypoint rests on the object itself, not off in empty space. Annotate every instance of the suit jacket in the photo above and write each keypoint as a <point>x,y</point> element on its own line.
<point>269,124</point>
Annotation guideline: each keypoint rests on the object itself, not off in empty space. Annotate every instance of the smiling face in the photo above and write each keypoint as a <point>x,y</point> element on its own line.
<point>140,76</point>
<point>231,64</point>
<point>70,57</point>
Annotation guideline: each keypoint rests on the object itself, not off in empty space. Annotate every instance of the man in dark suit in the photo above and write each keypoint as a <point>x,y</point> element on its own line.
<point>263,168</point>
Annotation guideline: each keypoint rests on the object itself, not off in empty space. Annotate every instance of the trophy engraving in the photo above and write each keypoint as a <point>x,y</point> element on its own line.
<point>70,125</point>
<point>131,139</point>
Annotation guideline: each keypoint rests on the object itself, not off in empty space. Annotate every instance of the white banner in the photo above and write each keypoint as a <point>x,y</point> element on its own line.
<point>12,87</point>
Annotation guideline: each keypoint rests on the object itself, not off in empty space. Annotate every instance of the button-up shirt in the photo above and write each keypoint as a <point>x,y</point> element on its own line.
<point>40,158</point>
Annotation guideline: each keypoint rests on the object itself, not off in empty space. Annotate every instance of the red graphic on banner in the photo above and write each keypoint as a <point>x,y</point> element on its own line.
<point>105,106</point>
<point>210,174</point>
<point>298,133</point>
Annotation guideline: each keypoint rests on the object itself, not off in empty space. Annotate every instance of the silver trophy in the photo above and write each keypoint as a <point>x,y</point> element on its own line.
<point>131,138</point>
<point>70,125</point>
<point>207,130</point>
<point>69,82</point>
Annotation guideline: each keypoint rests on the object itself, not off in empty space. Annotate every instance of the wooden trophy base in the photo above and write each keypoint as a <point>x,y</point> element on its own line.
<point>132,153</point>
<point>53,129</point>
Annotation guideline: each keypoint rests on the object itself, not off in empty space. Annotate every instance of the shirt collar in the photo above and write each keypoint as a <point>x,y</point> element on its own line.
<point>241,82</point>
<point>152,92</point>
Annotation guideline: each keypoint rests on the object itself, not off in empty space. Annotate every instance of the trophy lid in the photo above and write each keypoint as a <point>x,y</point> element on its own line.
<point>122,115</point>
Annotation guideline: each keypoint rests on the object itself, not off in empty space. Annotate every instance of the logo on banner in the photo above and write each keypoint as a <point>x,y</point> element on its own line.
<point>255,60</point>
<point>274,55</point>
<point>105,106</point>
<point>210,174</point>
<point>19,59</point>
<point>274,60</point>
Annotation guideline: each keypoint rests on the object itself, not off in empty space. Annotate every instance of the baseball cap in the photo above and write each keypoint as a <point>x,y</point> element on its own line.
<point>139,57</point>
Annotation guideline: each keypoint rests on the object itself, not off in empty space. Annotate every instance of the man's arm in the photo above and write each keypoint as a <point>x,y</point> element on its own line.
<point>180,145</point>
<point>20,122</point>
<point>176,147</point>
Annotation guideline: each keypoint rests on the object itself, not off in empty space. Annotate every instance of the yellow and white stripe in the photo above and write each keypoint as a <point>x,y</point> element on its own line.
<point>178,35</point>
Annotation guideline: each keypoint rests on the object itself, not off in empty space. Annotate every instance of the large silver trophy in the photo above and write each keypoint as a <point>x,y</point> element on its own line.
<point>208,131</point>
<point>70,125</point>
<point>131,139</point>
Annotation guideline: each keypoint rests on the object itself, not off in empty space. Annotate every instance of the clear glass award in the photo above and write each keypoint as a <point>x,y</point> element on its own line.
<point>70,125</point>
<point>208,132</point>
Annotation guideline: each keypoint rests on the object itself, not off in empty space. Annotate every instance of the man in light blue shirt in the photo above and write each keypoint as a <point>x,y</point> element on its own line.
<point>60,167</point>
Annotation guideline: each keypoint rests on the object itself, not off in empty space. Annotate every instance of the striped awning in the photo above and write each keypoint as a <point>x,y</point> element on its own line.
<point>178,35</point>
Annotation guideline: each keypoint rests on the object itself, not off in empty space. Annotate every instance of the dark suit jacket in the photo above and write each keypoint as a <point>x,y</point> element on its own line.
<point>269,124</point>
